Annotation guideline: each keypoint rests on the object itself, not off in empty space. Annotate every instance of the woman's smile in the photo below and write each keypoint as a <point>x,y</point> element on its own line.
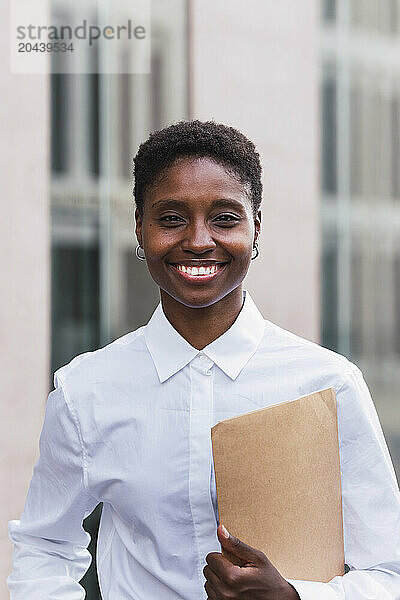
<point>200,272</point>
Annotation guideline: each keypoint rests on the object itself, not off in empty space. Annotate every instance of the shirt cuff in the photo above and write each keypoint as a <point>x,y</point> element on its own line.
<point>313,590</point>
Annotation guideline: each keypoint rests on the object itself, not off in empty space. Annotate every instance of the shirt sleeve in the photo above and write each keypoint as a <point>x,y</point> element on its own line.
<point>371,505</point>
<point>50,545</point>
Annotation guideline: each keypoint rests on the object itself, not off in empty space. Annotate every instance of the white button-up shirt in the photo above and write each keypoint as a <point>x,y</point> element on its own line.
<point>129,425</point>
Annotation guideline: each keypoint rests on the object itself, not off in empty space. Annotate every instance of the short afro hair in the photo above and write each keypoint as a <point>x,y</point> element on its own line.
<point>197,139</point>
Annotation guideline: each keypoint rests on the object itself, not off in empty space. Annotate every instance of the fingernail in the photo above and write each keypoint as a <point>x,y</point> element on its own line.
<point>224,531</point>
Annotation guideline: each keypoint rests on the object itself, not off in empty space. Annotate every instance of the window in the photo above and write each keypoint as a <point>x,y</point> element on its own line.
<point>329,10</point>
<point>329,296</point>
<point>360,263</point>
<point>59,122</point>
<point>75,302</point>
<point>395,144</point>
<point>329,177</point>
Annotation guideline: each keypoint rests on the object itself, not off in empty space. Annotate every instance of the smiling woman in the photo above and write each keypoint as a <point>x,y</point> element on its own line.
<point>129,424</point>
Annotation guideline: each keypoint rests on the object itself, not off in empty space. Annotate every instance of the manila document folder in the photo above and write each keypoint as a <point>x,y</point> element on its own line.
<point>277,474</point>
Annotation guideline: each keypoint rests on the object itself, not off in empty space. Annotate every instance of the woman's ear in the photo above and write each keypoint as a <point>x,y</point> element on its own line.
<point>257,225</point>
<point>138,227</point>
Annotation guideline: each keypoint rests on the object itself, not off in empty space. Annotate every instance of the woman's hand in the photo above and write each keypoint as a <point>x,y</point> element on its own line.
<point>255,579</point>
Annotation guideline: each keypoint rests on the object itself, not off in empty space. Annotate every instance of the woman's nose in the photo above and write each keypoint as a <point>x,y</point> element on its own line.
<point>198,239</point>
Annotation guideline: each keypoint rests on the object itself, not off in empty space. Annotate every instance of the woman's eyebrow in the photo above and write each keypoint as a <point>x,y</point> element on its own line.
<point>220,202</point>
<point>171,202</point>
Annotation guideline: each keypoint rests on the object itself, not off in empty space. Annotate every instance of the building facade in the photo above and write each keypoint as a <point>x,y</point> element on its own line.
<point>360,208</point>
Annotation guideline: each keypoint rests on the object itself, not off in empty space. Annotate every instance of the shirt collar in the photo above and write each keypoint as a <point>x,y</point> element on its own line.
<point>231,351</point>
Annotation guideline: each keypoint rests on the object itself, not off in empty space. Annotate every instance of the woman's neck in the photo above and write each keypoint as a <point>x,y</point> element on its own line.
<point>201,326</point>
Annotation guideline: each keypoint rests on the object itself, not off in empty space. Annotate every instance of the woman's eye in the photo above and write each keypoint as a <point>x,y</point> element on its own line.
<point>171,220</point>
<point>226,219</point>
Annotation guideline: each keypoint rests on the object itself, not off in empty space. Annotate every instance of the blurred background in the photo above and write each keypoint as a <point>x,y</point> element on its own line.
<point>315,84</point>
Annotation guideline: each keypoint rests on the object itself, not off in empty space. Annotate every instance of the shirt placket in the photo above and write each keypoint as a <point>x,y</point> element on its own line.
<point>201,409</point>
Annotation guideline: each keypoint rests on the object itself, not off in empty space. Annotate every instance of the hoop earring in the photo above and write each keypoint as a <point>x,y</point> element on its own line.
<point>137,252</point>
<point>255,251</point>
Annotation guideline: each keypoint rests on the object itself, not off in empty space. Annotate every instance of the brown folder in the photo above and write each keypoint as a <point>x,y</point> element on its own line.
<point>278,483</point>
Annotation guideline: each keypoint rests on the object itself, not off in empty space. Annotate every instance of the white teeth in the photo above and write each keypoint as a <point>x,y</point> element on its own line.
<point>198,271</point>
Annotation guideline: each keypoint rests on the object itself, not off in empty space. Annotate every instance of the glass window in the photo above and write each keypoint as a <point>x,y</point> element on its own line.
<point>156,86</point>
<point>329,177</point>
<point>366,218</point>
<point>125,125</point>
<point>329,296</point>
<point>355,141</point>
<point>394,17</point>
<point>329,10</point>
<point>93,139</point>
<point>75,302</point>
<point>357,304</point>
<point>59,122</point>
<point>395,144</point>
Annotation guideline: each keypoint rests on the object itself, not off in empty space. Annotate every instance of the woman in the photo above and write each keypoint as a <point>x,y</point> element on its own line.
<point>129,425</point>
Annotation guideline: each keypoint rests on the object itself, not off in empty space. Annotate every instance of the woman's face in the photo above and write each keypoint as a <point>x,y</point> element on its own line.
<point>197,232</point>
